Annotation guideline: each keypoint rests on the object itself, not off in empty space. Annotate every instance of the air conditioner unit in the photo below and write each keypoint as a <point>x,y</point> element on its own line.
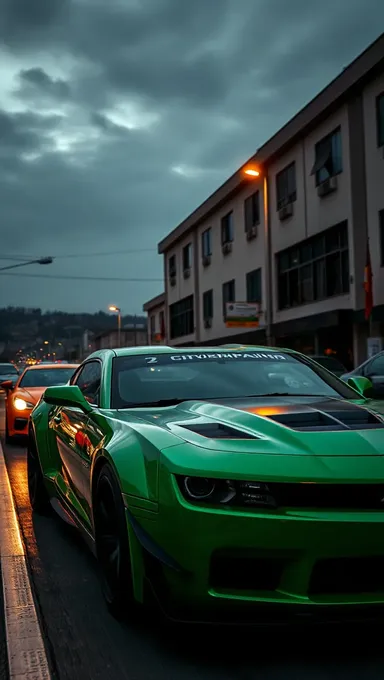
<point>206,260</point>
<point>226,248</point>
<point>251,233</point>
<point>187,273</point>
<point>285,212</point>
<point>327,187</point>
<point>208,322</point>
<point>172,279</point>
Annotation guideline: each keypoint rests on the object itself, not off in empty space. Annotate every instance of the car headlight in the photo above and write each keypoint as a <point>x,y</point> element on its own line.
<point>226,492</point>
<point>22,405</point>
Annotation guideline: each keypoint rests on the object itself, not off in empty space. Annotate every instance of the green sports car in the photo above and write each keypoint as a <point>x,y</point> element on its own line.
<point>234,484</point>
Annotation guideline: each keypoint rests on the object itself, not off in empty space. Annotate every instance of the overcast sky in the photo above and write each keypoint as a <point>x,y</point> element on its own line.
<point>118,117</point>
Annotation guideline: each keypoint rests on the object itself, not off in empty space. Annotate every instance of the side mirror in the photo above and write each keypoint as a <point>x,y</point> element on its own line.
<point>362,385</point>
<point>7,385</point>
<point>67,395</point>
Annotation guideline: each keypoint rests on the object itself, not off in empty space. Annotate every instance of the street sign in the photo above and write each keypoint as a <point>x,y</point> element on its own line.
<point>242,314</point>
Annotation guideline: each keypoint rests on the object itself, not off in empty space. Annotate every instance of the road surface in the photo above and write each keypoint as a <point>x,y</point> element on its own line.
<point>85,642</point>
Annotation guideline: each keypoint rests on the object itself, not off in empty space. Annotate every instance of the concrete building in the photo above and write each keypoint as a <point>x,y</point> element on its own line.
<point>131,337</point>
<point>294,238</point>
<point>156,311</point>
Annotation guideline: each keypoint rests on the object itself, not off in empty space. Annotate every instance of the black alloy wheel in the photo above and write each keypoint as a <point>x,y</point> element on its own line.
<point>38,495</point>
<point>112,546</point>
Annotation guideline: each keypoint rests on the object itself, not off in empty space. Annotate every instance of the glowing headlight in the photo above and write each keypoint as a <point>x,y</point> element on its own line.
<point>22,405</point>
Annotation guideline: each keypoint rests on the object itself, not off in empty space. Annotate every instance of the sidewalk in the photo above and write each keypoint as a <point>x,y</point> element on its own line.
<point>23,639</point>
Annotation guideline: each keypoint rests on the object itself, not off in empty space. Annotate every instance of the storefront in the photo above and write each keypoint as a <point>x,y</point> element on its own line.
<point>329,333</point>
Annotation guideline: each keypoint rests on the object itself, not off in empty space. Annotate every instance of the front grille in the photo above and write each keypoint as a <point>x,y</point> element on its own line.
<point>331,496</point>
<point>347,576</point>
<point>20,423</point>
<point>228,572</point>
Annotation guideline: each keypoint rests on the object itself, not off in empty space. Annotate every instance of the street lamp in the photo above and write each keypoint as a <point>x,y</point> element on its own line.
<point>253,172</point>
<point>113,308</point>
<point>41,260</point>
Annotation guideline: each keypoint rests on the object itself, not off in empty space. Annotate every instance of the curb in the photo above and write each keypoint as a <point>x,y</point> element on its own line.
<point>25,646</point>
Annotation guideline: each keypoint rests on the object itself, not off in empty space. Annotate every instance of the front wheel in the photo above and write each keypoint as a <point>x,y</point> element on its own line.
<point>38,495</point>
<point>112,546</point>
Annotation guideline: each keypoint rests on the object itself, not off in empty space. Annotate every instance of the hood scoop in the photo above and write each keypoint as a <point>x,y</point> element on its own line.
<point>218,431</point>
<point>335,420</point>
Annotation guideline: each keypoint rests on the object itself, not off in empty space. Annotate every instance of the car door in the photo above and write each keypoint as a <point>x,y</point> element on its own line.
<point>70,426</point>
<point>374,370</point>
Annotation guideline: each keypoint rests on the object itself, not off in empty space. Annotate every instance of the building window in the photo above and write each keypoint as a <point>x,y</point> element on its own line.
<point>315,269</point>
<point>162,324</point>
<point>172,266</point>
<point>181,317</point>
<point>228,294</point>
<point>208,304</point>
<point>328,157</point>
<point>227,228</point>
<point>253,284</point>
<point>381,230</point>
<point>206,242</point>
<point>152,323</point>
<point>252,211</point>
<point>380,119</point>
<point>286,186</point>
<point>187,257</point>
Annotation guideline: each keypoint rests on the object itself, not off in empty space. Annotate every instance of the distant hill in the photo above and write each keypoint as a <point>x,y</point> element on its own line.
<point>24,328</point>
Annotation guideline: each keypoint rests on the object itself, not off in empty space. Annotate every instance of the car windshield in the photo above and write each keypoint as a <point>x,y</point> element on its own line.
<point>8,369</point>
<point>165,378</point>
<point>46,377</point>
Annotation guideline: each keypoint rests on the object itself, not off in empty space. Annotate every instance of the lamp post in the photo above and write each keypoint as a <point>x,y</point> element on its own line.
<point>41,260</point>
<point>113,308</point>
<point>252,173</point>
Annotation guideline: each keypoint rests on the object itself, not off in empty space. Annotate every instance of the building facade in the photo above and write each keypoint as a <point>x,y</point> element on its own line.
<point>295,237</point>
<point>156,311</point>
<point>132,337</point>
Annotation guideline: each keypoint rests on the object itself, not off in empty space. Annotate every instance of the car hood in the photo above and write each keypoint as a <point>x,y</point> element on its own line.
<point>299,426</point>
<point>31,394</point>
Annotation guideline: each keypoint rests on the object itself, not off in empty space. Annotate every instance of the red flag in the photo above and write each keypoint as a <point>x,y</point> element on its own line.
<point>368,285</point>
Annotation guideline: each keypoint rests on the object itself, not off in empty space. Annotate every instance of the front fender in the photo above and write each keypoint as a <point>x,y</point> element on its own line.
<point>135,462</point>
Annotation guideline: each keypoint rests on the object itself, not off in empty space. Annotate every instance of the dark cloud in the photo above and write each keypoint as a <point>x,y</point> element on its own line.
<point>122,116</point>
<point>40,83</point>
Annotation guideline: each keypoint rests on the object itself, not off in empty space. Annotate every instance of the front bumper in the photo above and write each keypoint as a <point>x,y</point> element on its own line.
<point>219,564</point>
<point>18,422</point>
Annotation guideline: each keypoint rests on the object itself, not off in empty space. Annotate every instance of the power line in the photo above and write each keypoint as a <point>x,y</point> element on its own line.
<point>81,278</point>
<point>83,255</point>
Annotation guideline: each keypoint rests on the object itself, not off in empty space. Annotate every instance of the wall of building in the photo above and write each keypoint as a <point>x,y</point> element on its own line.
<point>127,339</point>
<point>375,183</point>
<point>311,213</point>
<point>154,328</point>
<point>246,256</point>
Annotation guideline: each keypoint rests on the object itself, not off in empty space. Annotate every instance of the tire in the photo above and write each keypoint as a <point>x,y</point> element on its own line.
<point>112,545</point>
<point>38,495</point>
<point>8,438</point>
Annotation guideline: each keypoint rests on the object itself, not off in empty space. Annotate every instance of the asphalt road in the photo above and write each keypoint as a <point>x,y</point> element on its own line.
<point>85,642</point>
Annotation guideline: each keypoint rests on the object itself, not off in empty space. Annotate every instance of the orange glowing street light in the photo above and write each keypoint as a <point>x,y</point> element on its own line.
<point>114,308</point>
<point>252,172</point>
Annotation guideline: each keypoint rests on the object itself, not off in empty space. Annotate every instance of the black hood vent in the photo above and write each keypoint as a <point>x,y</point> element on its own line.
<point>218,431</point>
<point>333,420</point>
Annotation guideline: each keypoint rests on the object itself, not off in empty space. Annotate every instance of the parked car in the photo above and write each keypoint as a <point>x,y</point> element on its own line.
<point>330,363</point>
<point>373,369</point>
<point>238,483</point>
<point>8,372</point>
<point>23,396</point>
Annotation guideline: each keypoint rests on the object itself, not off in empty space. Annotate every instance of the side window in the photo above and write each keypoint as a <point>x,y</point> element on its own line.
<point>89,380</point>
<point>375,367</point>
